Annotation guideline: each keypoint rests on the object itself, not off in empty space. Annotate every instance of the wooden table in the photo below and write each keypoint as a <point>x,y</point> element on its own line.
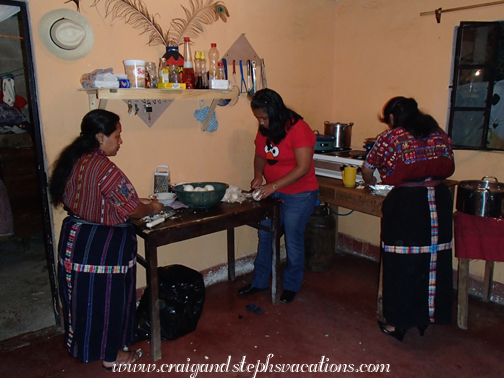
<point>191,224</point>
<point>333,192</point>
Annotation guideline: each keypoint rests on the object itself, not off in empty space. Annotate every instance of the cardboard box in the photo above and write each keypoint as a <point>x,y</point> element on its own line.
<point>16,140</point>
<point>171,86</point>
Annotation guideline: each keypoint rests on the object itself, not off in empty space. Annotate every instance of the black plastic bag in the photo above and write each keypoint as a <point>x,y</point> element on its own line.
<point>181,300</point>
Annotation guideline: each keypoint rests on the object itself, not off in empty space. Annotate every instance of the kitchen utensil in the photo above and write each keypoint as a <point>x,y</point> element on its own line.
<point>242,83</point>
<point>234,72</point>
<point>204,199</point>
<point>253,88</point>
<point>263,74</point>
<point>161,179</point>
<point>249,72</point>
<point>482,198</point>
<point>342,133</point>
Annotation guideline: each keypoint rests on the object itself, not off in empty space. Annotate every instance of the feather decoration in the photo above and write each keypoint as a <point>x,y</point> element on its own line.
<point>135,12</point>
<point>199,15</point>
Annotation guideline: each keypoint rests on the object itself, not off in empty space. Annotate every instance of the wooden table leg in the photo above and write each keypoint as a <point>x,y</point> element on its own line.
<point>276,284</point>
<point>379,301</point>
<point>488,281</point>
<point>463,296</point>
<point>231,254</point>
<point>153,282</point>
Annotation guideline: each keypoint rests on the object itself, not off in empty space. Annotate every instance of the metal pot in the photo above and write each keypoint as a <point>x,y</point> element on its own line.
<point>481,197</point>
<point>342,133</point>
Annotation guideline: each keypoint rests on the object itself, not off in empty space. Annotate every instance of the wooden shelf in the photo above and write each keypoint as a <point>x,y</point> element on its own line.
<point>98,97</point>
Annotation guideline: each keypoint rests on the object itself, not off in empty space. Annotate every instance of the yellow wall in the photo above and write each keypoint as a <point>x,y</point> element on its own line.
<point>330,60</point>
<point>295,38</point>
<point>386,49</point>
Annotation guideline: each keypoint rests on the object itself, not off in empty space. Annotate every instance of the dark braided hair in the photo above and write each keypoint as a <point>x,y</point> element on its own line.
<point>95,122</point>
<point>280,118</point>
<point>406,114</point>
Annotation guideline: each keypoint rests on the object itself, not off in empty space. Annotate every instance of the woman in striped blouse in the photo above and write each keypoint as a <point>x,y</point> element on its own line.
<point>97,247</point>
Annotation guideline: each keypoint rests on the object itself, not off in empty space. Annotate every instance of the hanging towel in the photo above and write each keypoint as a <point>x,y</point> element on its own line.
<point>9,91</point>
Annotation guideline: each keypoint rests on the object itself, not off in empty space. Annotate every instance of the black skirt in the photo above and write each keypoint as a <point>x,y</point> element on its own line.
<point>417,256</point>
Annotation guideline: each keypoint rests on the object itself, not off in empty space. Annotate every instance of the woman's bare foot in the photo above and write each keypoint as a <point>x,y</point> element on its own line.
<point>124,358</point>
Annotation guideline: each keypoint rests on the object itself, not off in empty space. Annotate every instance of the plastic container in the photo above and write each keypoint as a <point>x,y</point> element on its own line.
<point>135,69</point>
<point>204,70</point>
<point>188,71</point>
<point>221,74</point>
<point>213,61</point>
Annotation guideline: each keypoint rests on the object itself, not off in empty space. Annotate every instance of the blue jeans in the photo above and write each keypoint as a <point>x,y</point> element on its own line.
<point>294,213</point>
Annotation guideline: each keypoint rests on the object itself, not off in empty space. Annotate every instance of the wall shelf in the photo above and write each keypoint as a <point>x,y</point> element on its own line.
<point>98,96</point>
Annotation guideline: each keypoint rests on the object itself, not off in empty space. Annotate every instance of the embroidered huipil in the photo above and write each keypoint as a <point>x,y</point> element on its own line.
<point>99,192</point>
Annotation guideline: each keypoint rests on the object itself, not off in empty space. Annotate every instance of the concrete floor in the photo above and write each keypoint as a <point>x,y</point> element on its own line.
<point>333,319</point>
<point>25,295</point>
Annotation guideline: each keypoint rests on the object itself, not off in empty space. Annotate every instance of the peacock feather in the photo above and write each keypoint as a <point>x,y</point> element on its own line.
<point>135,13</point>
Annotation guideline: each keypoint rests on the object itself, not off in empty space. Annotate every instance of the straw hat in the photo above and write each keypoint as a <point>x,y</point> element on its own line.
<point>67,34</point>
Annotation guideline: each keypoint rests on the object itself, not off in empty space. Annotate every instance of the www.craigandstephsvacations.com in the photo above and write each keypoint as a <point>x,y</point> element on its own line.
<point>268,366</point>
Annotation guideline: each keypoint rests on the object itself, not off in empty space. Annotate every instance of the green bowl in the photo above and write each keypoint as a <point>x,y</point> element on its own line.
<point>201,200</point>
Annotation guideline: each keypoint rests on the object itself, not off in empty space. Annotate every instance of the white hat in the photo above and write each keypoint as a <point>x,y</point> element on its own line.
<point>67,34</point>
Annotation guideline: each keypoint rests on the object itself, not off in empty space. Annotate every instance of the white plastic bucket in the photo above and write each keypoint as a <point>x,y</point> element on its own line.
<point>135,69</point>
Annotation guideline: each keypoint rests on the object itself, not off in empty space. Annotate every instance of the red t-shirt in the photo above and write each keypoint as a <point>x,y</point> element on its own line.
<point>280,159</point>
<point>99,192</point>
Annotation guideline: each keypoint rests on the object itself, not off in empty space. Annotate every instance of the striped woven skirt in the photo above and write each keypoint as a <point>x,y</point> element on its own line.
<point>97,287</point>
<point>417,256</point>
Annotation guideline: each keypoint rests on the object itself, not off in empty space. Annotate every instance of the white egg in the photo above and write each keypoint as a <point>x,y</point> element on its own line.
<point>209,187</point>
<point>188,188</point>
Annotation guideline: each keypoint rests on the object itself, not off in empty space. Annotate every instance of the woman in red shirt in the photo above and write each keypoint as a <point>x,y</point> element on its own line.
<point>98,246</point>
<point>284,158</point>
<point>414,155</point>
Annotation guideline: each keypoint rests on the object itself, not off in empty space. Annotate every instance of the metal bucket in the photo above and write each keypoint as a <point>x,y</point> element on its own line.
<point>482,198</point>
<point>342,133</point>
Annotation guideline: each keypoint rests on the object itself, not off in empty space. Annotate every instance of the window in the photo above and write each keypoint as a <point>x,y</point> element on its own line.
<point>477,98</point>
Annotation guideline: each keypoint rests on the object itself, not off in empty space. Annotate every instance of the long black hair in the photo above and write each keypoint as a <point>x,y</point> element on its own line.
<point>406,114</point>
<point>280,117</point>
<point>95,122</point>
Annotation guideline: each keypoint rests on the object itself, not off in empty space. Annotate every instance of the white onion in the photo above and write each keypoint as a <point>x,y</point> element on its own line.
<point>188,188</point>
<point>209,187</point>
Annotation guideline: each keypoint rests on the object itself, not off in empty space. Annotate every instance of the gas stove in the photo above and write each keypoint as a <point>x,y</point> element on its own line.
<point>331,163</point>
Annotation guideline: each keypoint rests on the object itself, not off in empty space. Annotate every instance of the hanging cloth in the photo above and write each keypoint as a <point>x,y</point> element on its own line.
<point>9,91</point>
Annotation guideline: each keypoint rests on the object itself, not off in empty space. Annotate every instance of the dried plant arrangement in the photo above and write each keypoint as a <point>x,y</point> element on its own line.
<point>135,13</point>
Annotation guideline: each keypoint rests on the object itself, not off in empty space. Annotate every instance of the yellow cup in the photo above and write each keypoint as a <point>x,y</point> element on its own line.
<point>349,174</point>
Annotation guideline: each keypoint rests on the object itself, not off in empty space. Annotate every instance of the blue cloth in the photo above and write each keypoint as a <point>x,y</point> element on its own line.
<point>201,115</point>
<point>295,211</point>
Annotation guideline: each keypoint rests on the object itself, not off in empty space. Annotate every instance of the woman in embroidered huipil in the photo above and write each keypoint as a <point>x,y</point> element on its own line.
<point>414,155</point>
<point>97,247</point>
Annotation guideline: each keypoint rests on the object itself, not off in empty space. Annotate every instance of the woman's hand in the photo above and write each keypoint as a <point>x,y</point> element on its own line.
<point>367,175</point>
<point>145,200</point>
<point>152,207</point>
<point>256,182</point>
<point>267,190</point>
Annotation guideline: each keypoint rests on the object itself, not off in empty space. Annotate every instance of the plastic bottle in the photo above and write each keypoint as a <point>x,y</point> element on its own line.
<point>204,71</point>
<point>221,75</point>
<point>188,72</point>
<point>213,61</point>
<point>160,70</point>
<point>197,70</point>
